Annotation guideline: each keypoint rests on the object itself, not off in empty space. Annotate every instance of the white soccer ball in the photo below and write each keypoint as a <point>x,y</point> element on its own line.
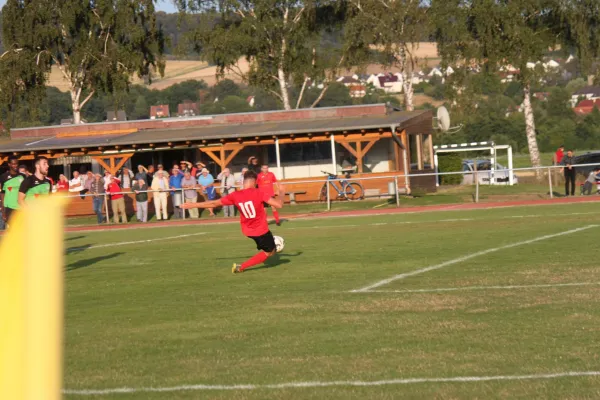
<point>279,243</point>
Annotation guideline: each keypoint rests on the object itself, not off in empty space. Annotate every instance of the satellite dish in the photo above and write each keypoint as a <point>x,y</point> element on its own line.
<point>443,121</point>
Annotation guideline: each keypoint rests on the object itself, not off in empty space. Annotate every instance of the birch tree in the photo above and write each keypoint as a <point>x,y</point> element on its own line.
<point>97,45</point>
<point>284,42</point>
<point>396,28</point>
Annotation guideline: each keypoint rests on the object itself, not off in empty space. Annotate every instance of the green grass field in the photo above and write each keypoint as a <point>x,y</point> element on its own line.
<point>167,311</point>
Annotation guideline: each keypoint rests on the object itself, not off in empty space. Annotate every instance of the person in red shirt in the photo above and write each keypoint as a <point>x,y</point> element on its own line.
<point>253,217</point>
<point>116,200</point>
<point>63,184</point>
<point>558,156</point>
<point>266,181</point>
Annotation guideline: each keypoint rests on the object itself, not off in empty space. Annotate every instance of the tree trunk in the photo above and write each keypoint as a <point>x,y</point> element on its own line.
<point>407,87</point>
<point>534,153</point>
<point>408,93</point>
<point>76,106</point>
<point>283,88</point>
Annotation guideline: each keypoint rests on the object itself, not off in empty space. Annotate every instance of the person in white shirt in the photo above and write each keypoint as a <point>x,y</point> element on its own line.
<point>126,178</point>
<point>76,184</point>
<point>227,187</point>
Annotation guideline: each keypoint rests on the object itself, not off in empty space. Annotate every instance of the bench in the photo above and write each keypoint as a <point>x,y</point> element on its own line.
<point>293,196</point>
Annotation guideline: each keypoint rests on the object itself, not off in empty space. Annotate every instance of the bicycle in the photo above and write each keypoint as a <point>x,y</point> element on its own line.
<point>348,190</point>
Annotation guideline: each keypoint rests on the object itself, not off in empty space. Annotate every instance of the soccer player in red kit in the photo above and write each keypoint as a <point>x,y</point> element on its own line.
<point>253,217</point>
<point>265,181</point>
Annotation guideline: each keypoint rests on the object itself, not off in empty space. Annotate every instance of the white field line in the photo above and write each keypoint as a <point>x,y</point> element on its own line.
<point>318,384</point>
<point>468,257</point>
<point>134,242</point>
<point>508,287</point>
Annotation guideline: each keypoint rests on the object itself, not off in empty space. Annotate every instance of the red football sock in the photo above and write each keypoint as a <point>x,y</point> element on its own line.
<point>276,215</point>
<point>255,260</point>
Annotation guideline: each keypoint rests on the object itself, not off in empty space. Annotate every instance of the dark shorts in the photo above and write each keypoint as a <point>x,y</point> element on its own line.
<point>8,212</point>
<point>265,242</point>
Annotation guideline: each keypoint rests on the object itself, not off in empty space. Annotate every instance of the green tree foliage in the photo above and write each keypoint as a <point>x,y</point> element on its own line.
<point>450,162</point>
<point>288,43</point>
<point>395,27</point>
<point>96,45</point>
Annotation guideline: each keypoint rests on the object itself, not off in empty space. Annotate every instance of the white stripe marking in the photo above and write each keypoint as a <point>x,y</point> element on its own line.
<point>135,242</point>
<point>509,287</point>
<point>296,385</point>
<point>468,257</point>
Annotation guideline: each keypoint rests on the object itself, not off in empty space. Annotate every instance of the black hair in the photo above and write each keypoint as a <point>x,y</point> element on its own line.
<point>11,158</point>
<point>250,175</point>
<point>40,158</point>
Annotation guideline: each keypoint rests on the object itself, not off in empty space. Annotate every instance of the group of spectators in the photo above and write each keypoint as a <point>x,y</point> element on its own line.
<point>183,183</point>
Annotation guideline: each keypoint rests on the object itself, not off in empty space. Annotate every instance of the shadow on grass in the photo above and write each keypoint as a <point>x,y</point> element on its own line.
<point>78,249</point>
<point>74,238</point>
<point>90,261</point>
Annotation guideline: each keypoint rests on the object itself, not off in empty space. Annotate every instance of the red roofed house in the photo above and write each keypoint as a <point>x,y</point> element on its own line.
<point>160,111</point>
<point>586,106</point>
<point>187,109</point>
<point>358,91</point>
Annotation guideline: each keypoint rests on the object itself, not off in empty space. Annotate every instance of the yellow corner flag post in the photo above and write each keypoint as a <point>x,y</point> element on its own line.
<point>31,302</point>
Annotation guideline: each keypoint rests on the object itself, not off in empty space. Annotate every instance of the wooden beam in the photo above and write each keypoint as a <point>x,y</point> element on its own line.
<point>100,161</point>
<point>3,160</point>
<point>211,154</point>
<point>231,155</point>
<point>369,145</point>
<point>350,149</point>
<point>124,159</point>
<point>359,159</point>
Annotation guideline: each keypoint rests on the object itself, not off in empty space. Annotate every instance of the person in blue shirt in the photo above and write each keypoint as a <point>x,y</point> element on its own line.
<point>175,183</point>
<point>206,182</point>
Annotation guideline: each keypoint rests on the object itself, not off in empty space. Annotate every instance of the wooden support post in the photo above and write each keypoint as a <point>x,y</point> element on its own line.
<point>234,152</point>
<point>111,166</point>
<point>359,158</point>
<point>212,155</point>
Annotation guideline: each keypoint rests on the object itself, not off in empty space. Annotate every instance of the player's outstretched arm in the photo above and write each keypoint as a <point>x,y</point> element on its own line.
<point>204,204</point>
<point>278,202</point>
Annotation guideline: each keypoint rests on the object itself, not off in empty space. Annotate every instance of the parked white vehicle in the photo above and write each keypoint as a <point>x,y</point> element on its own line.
<point>484,173</point>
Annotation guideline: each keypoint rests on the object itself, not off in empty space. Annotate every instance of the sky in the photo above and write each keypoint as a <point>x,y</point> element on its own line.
<point>162,5</point>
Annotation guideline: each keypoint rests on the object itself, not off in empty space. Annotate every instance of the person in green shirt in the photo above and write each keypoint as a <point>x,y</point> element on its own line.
<point>37,184</point>
<point>10,182</point>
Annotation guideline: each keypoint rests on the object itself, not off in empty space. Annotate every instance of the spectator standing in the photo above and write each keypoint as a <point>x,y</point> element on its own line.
<point>191,195</point>
<point>126,178</point>
<point>175,186</point>
<point>240,181</point>
<point>569,172</point>
<point>76,184</point>
<point>117,200</point>
<point>160,186</point>
<point>150,173</point>
<point>88,181</point>
<point>141,197</point>
<point>196,171</point>
<point>227,187</point>
<point>107,178</point>
<point>206,182</point>
<point>97,191</point>
<point>253,165</point>
<point>558,156</point>
<point>63,184</point>
<point>141,174</point>
<point>266,181</point>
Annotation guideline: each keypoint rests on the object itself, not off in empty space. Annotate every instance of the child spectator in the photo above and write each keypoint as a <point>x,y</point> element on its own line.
<point>590,181</point>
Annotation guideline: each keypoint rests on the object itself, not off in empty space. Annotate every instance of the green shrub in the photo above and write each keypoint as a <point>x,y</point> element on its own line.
<point>450,162</point>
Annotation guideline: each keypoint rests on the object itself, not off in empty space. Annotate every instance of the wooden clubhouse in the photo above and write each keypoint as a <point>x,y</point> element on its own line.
<point>373,140</point>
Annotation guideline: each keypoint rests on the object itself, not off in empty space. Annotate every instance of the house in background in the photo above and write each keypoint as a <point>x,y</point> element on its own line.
<point>160,111</point>
<point>586,106</point>
<point>587,93</point>
<point>187,109</point>
<point>358,91</point>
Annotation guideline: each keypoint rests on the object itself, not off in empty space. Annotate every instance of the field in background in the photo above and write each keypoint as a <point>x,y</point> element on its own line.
<point>503,296</point>
<point>177,71</point>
